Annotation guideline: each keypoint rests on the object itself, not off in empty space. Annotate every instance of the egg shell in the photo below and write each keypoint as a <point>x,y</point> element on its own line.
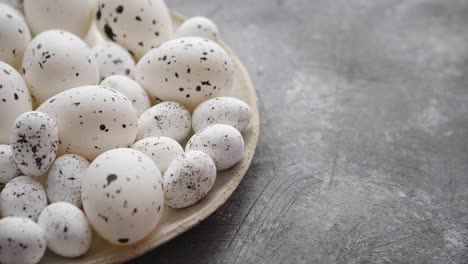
<point>131,89</point>
<point>14,35</point>
<point>221,110</point>
<point>21,241</point>
<point>198,26</point>
<point>223,143</point>
<point>122,195</point>
<point>167,119</point>
<point>34,140</point>
<point>113,60</point>
<point>186,70</point>
<point>23,197</point>
<point>14,99</point>
<point>162,150</point>
<point>92,119</point>
<point>72,16</point>
<point>64,179</point>
<point>138,25</point>
<point>66,229</point>
<point>188,179</point>
<point>57,60</point>
<point>8,168</point>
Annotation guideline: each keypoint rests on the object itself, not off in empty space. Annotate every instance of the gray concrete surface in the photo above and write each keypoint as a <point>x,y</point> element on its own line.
<point>363,153</point>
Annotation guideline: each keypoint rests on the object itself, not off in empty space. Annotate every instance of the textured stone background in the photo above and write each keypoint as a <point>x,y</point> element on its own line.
<point>363,153</point>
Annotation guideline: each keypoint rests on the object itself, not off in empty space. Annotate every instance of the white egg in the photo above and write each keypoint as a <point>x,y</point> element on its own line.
<point>197,27</point>
<point>14,35</point>
<point>168,119</point>
<point>162,150</point>
<point>8,168</point>
<point>21,241</point>
<point>122,195</point>
<point>186,70</point>
<point>72,16</point>
<point>34,140</point>
<point>64,179</point>
<point>92,119</point>
<point>223,143</point>
<point>24,197</point>
<point>56,60</point>
<point>138,25</point>
<point>131,89</point>
<point>14,99</point>
<point>113,60</point>
<point>221,110</point>
<point>66,229</point>
<point>188,179</point>
<point>94,36</point>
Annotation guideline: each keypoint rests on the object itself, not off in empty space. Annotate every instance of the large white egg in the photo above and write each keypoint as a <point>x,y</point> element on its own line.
<point>14,99</point>
<point>138,25</point>
<point>8,168</point>
<point>162,150</point>
<point>186,70</point>
<point>56,60</point>
<point>92,119</point>
<point>122,195</point>
<point>34,140</point>
<point>14,35</point>
<point>70,15</point>
<point>197,27</point>
<point>113,60</point>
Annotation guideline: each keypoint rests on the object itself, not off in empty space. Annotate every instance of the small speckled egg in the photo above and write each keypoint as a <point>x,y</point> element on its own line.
<point>8,168</point>
<point>56,60</point>
<point>34,139</point>
<point>197,27</point>
<point>162,150</point>
<point>66,229</point>
<point>188,179</point>
<point>221,110</point>
<point>14,35</point>
<point>168,119</point>
<point>223,143</point>
<point>72,16</point>
<point>24,197</point>
<point>186,70</point>
<point>64,179</point>
<point>113,60</point>
<point>122,195</point>
<point>138,25</point>
<point>92,119</point>
<point>21,241</point>
<point>131,89</point>
<point>14,99</point>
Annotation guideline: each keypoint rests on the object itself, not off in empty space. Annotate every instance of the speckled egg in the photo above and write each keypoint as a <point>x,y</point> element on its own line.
<point>122,195</point>
<point>8,168</point>
<point>223,143</point>
<point>66,229</point>
<point>14,35</point>
<point>14,99</point>
<point>34,139</point>
<point>162,150</point>
<point>131,89</point>
<point>72,16</point>
<point>113,60</point>
<point>21,241</point>
<point>24,197</point>
<point>221,110</point>
<point>92,119</point>
<point>64,179</point>
<point>186,70</point>
<point>188,179</point>
<point>168,119</point>
<point>197,27</point>
<point>56,60</point>
<point>138,25</point>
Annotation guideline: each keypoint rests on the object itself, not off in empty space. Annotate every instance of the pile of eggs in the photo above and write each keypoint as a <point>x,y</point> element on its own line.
<point>98,101</point>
